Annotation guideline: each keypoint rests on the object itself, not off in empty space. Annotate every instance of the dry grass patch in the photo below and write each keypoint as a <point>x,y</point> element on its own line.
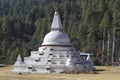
<point>104,73</point>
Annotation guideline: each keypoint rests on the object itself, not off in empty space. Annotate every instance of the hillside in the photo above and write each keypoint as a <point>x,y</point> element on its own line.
<point>24,23</point>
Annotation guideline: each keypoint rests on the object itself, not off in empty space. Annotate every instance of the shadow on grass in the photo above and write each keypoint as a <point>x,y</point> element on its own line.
<point>100,70</point>
<point>2,65</point>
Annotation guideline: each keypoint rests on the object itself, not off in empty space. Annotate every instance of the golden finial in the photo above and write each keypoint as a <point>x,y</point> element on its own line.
<point>56,11</point>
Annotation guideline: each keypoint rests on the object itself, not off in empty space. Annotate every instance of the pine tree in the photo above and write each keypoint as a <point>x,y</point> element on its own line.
<point>4,48</point>
<point>104,25</point>
<point>5,26</point>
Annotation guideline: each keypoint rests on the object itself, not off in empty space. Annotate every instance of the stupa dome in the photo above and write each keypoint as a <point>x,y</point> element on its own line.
<point>56,36</point>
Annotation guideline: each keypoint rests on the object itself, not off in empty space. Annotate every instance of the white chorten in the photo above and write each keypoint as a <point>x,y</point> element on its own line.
<point>56,37</point>
<point>54,56</point>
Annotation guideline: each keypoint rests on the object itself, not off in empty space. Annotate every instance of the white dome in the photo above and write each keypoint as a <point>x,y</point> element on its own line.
<point>56,38</point>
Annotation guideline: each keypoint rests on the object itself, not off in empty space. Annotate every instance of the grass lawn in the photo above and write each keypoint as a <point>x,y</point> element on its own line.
<point>103,73</point>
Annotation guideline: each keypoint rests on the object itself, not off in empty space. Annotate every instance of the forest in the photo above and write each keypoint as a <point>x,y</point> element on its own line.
<point>90,25</point>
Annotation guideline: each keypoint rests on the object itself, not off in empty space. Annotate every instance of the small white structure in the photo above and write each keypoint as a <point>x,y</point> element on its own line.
<point>86,56</point>
<point>54,56</point>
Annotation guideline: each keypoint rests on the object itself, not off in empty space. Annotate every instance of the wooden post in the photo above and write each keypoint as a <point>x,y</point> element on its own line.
<point>113,46</point>
<point>108,48</point>
<point>103,47</point>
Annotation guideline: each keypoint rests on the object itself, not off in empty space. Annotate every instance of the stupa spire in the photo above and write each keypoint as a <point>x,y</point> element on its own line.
<point>56,23</point>
<point>19,58</point>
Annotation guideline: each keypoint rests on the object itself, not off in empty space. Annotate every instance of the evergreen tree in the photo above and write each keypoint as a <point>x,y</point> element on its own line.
<point>4,49</point>
<point>24,23</point>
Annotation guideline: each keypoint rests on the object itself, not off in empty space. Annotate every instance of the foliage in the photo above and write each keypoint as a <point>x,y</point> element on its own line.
<point>24,23</point>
